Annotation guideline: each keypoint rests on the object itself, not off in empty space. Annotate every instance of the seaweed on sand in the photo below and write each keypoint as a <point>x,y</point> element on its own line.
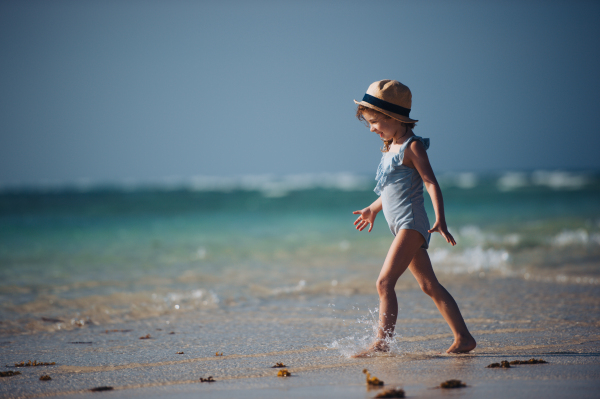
<point>209,379</point>
<point>503,364</point>
<point>530,361</point>
<point>278,365</point>
<point>51,320</point>
<point>147,336</point>
<point>284,373</point>
<point>35,363</point>
<point>9,373</point>
<point>372,381</point>
<point>452,384</point>
<point>100,389</point>
<point>45,377</point>
<point>391,393</point>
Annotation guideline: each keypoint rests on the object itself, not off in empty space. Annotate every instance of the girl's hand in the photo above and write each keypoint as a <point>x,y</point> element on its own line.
<point>367,216</point>
<point>441,228</point>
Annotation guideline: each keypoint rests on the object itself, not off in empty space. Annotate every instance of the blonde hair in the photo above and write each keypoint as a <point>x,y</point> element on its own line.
<point>386,143</point>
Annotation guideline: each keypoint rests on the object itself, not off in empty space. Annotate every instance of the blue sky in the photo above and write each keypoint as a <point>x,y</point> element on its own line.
<point>113,90</point>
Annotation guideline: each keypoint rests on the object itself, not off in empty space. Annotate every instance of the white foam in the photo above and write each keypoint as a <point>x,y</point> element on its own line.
<point>471,260</point>
<point>269,184</point>
<point>344,245</point>
<point>288,290</point>
<point>570,237</point>
<point>560,180</point>
<point>465,180</point>
<point>512,180</point>
<point>556,180</point>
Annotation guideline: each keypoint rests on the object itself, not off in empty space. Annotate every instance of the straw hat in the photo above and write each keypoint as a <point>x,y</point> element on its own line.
<point>389,97</point>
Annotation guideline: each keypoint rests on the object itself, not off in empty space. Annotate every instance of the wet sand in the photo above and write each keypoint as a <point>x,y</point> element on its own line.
<point>511,319</point>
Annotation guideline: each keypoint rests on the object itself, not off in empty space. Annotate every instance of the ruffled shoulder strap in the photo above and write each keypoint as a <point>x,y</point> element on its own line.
<point>386,168</point>
<point>423,141</point>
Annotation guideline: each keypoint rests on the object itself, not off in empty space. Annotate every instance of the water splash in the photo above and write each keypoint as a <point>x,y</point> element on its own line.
<point>361,340</point>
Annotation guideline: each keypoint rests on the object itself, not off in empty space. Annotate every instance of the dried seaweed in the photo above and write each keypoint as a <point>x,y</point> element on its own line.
<point>147,336</point>
<point>45,377</point>
<point>100,389</point>
<point>372,381</point>
<point>34,364</point>
<point>391,393</point>
<point>530,361</point>
<point>9,373</point>
<point>278,365</point>
<point>209,379</point>
<point>284,373</point>
<point>180,353</point>
<point>50,320</point>
<point>503,364</point>
<point>452,384</point>
<point>172,332</point>
<point>219,354</point>
<point>112,331</point>
<point>81,342</point>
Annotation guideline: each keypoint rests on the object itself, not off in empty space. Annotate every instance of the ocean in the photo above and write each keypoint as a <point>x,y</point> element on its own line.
<point>268,269</point>
<point>98,255</point>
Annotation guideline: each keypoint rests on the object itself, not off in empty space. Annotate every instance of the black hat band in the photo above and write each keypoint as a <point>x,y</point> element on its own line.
<point>386,105</point>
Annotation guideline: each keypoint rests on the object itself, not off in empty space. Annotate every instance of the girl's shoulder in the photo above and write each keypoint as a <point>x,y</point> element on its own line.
<point>416,141</point>
<point>416,148</point>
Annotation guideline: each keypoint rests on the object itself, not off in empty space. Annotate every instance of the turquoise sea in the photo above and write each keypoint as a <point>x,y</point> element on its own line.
<point>72,256</point>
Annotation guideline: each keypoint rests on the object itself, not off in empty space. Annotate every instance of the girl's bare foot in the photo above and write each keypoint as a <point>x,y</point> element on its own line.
<point>462,345</point>
<point>377,346</point>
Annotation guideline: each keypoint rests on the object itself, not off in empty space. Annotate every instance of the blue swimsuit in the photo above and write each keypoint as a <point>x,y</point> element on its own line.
<point>401,191</point>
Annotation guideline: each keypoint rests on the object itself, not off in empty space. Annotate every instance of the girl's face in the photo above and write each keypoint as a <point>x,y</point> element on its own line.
<point>386,128</point>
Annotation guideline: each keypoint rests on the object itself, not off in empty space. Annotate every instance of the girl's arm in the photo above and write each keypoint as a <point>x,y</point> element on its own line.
<point>416,156</point>
<point>367,215</point>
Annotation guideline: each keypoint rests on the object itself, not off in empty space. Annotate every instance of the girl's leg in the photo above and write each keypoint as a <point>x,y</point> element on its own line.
<point>400,255</point>
<point>420,266</point>
<point>401,252</point>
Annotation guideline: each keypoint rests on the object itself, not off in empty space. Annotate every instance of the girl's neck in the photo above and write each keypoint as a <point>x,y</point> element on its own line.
<point>402,136</point>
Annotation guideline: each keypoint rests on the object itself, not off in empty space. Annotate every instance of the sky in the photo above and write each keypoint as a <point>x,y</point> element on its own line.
<point>114,90</point>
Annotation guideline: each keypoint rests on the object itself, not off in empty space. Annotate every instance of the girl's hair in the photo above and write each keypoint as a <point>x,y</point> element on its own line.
<point>360,117</point>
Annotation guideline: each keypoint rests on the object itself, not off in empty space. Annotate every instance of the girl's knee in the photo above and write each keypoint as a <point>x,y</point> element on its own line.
<point>431,288</point>
<point>384,286</point>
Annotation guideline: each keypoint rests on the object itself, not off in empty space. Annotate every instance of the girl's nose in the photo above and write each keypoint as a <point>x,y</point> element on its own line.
<point>372,129</point>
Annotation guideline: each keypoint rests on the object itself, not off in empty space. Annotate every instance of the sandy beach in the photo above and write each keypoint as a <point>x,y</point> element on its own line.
<point>511,319</point>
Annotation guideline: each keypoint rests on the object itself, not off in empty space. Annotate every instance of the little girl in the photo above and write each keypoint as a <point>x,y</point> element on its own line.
<point>403,168</point>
